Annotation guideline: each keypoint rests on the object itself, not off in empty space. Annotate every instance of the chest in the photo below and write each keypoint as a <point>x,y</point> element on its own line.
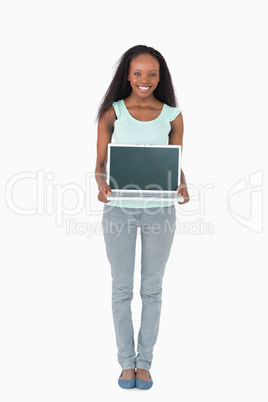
<point>141,132</point>
<point>145,114</point>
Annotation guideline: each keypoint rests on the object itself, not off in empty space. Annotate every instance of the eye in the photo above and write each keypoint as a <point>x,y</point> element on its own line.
<point>136,73</point>
<point>152,74</point>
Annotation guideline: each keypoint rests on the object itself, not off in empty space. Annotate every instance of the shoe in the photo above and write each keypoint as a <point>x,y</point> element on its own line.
<point>126,383</point>
<point>144,384</point>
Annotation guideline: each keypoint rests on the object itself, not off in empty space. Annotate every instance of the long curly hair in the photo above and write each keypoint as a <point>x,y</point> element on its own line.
<point>120,87</point>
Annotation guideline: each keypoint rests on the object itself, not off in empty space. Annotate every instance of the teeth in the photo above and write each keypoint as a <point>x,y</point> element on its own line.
<point>144,87</point>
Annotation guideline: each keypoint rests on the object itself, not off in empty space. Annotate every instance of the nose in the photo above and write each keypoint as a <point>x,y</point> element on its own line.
<point>144,81</point>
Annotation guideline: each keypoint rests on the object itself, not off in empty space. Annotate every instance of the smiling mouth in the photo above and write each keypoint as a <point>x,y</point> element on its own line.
<point>144,89</point>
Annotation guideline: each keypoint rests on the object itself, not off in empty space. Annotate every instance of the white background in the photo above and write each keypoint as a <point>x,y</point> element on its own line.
<point>57,336</point>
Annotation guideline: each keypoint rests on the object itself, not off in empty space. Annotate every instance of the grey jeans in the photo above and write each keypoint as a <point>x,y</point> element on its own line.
<point>157,228</point>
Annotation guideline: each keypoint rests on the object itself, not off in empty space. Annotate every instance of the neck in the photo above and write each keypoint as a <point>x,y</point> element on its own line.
<point>139,101</point>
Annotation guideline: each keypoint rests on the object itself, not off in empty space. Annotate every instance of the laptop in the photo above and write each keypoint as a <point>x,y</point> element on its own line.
<point>144,172</point>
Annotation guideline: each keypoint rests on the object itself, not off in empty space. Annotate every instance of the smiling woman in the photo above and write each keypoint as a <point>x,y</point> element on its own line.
<point>139,107</point>
<point>120,87</point>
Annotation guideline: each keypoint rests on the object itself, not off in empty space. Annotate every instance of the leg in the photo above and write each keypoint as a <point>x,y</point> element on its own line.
<point>157,233</point>
<point>120,232</point>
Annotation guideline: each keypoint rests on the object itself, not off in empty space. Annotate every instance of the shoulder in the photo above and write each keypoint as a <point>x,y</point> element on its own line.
<point>108,118</point>
<point>173,112</point>
<point>118,107</point>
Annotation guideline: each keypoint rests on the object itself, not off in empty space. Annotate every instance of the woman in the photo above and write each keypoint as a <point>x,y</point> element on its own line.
<point>139,107</point>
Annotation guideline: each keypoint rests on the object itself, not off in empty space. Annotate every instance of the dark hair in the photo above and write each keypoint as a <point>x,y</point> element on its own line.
<point>120,87</point>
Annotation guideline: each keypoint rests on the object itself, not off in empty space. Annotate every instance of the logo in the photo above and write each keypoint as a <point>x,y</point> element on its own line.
<point>245,201</point>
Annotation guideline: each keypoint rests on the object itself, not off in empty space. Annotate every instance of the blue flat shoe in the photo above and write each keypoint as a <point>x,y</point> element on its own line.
<point>126,383</point>
<point>144,384</point>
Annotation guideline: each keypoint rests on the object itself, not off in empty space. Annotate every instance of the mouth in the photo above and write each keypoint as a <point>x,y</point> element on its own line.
<point>143,89</point>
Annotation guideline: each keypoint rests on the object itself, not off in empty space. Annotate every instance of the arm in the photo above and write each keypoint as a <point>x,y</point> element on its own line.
<point>176,138</point>
<point>105,131</point>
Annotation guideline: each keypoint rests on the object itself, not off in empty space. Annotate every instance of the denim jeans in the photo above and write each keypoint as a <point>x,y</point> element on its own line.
<point>157,228</point>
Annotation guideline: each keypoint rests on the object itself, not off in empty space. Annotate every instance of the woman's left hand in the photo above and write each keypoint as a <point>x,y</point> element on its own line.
<point>183,191</point>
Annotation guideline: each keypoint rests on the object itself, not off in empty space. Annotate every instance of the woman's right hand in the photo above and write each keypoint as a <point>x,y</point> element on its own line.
<point>103,191</point>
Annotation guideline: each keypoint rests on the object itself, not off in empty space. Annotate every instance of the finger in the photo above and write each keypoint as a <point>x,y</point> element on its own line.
<point>103,200</point>
<point>102,197</point>
<point>186,199</point>
<point>104,192</point>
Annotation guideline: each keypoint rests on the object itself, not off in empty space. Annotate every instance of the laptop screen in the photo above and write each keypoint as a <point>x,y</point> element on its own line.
<point>144,167</point>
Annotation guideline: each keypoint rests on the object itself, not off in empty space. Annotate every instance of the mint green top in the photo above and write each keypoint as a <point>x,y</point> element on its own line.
<point>128,130</point>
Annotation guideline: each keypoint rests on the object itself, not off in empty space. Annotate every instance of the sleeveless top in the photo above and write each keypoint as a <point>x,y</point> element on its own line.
<point>128,130</point>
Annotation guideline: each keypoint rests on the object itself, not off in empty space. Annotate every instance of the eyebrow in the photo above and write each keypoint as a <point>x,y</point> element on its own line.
<point>141,70</point>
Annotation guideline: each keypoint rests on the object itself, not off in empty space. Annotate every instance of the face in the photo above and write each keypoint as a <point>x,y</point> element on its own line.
<point>144,74</point>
